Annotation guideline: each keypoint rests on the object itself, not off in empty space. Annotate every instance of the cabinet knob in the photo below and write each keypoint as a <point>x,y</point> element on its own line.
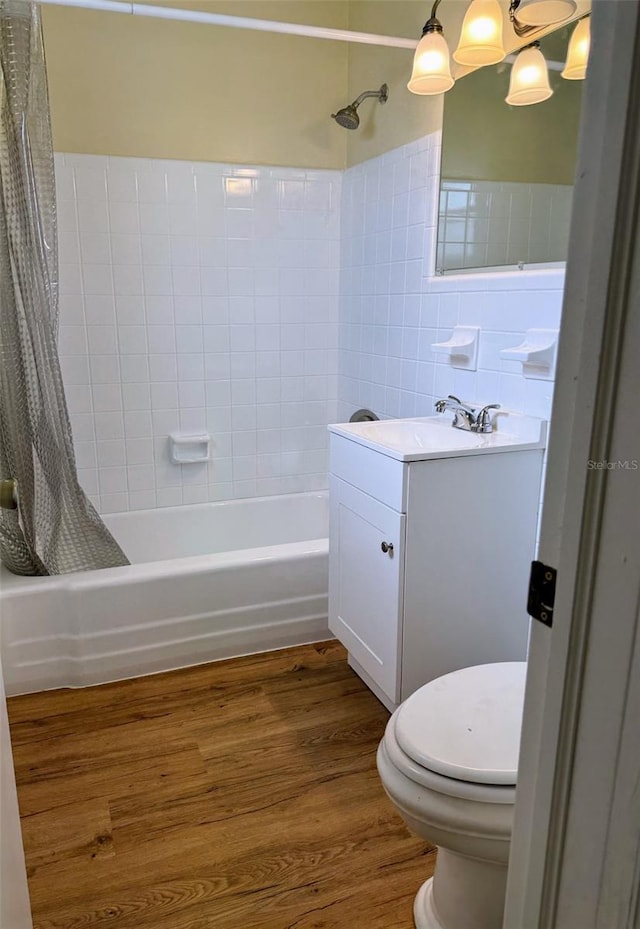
<point>387,548</point>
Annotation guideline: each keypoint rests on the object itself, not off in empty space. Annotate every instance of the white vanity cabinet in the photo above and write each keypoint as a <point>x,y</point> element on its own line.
<point>366,580</point>
<point>429,559</point>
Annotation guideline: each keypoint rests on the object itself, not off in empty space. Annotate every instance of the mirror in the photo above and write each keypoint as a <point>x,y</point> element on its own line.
<point>507,172</point>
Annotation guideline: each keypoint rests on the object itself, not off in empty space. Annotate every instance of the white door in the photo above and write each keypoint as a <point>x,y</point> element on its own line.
<point>366,574</point>
<point>575,857</point>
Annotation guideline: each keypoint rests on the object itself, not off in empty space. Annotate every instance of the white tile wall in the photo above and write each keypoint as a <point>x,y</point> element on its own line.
<point>392,309</point>
<point>488,223</point>
<point>215,297</point>
<point>197,297</point>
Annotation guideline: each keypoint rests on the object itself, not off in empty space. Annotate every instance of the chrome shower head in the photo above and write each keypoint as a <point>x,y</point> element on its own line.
<point>348,117</point>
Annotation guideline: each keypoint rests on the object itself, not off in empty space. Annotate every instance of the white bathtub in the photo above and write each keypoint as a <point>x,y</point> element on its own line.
<point>206,582</point>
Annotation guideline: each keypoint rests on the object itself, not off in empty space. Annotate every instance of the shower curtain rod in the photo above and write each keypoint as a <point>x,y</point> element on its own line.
<point>236,22</point>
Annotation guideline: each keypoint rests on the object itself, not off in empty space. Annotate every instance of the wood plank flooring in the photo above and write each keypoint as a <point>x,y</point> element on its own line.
<point>236,795</point>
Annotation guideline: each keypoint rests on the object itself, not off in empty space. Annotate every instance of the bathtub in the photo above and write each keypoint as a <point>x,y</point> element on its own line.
<point>207,581</point>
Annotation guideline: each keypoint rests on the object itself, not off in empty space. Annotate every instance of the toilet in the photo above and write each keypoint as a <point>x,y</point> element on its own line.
<point>448,761</point>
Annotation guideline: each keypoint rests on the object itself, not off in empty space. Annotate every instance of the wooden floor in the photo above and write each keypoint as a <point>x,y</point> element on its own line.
<point>234,795</point>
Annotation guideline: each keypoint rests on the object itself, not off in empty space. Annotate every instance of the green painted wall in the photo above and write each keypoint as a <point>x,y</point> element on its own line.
<point>127,85</point>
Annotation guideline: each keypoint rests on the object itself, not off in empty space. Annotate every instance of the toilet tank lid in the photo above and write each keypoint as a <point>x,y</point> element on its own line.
<point>466,725</point>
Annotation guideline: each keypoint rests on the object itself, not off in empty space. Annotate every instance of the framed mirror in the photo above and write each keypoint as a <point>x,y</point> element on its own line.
<point>506,181</point>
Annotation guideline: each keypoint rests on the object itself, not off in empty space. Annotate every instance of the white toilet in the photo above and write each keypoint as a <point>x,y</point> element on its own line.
<point>448,761</point>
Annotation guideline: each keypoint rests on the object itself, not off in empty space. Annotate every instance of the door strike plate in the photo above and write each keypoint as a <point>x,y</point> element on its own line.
<point>542,592</point>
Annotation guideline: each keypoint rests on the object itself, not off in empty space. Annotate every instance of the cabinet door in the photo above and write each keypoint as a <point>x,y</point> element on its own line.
<point>366,583</point>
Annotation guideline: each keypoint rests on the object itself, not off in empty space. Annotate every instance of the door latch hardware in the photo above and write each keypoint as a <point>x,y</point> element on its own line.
<point>542,592</point>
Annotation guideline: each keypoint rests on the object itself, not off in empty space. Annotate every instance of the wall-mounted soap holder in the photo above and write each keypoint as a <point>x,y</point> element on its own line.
<point>189,447</point>
<point>537,353</point>
<point>461,348</point>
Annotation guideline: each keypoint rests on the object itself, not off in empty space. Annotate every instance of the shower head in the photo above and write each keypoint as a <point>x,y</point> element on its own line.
<point>348,117</point>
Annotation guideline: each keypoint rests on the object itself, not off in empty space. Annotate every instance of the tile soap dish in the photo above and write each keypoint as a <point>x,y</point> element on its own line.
<point>537,353</point>
<point>189,447</point>
<point>461,348</point>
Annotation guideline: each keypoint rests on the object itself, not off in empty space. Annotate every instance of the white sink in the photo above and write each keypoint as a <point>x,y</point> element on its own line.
<point>434,437</point>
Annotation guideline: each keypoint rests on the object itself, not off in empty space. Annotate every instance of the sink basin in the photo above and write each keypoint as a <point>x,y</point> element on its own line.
<point>434,437</point>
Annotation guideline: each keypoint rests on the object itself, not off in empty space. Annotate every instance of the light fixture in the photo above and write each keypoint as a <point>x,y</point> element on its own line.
<point>481,44</point>
<point>578,53</point>
<point>481,36</point>
<point>431,72</point>
<point>529,78</point>
<point>530,15</point>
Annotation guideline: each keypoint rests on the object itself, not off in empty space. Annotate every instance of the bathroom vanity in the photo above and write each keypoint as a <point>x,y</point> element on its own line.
<point>431,536</point>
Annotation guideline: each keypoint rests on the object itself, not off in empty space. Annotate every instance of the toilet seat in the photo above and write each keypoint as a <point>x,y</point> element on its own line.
<point>463,728</point>
<point>439,783</point>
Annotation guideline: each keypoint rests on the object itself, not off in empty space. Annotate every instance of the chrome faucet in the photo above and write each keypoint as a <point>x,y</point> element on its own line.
<point>467,417</point>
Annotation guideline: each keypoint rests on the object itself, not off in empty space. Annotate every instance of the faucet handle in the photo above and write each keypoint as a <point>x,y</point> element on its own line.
<point>484,422</point>
<point>466,406</point>
<point>461,403</point>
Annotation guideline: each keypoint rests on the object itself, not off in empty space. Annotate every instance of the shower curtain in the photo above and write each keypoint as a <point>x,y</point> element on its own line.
<point>54,529</point>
